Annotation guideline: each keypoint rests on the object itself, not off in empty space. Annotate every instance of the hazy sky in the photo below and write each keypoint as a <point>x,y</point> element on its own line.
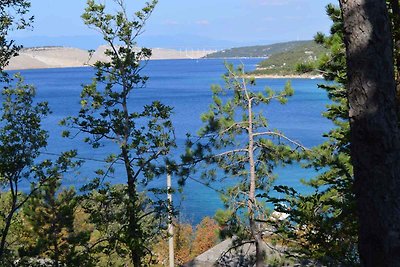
<point>223,21</point>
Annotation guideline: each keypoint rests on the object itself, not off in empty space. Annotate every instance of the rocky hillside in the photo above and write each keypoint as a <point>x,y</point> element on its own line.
<point>258,51</point>
<point>61,57</point>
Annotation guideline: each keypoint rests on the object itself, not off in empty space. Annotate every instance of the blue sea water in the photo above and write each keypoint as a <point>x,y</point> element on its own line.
<point>184,85</point>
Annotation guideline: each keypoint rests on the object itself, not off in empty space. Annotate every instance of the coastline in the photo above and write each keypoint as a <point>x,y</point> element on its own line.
<point>37,58</point>
<point>289,76</point>
<point>86,65</point>
<point>69,57</point>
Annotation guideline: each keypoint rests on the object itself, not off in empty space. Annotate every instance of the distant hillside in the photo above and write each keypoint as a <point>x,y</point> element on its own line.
<point>258,51</point>
<point>287,63</point>
<point>62,57</point>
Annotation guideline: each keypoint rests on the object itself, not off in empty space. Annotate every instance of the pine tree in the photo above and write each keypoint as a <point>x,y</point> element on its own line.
<point>50,216</point>
<point>141,137</point>
<point>327,217</point>
<point>374,128</point>
<point>237,143</point>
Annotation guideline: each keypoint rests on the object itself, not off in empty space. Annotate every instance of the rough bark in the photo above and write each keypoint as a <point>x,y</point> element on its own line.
<point>375,136</point>
<point>395,6</point>
<point>260,253</point>
<point>134,232</point>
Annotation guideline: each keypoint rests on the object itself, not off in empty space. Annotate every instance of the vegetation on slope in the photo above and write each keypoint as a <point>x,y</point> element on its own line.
<point>258,51</point>
<point>297,60</point>
<point>290,58</point>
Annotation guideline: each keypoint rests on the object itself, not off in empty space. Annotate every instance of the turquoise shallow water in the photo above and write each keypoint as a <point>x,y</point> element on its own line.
<point>184,85</point>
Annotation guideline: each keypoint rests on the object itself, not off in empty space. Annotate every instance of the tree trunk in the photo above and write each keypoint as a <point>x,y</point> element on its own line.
<point>375,136</point>
<point>4,236</point>
<point>255,232</point>
<point>135,236</point>
<point>4,232</point>
<point>395,6</point>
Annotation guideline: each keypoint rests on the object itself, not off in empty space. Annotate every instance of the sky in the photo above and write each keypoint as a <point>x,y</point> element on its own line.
<point>186,24</point>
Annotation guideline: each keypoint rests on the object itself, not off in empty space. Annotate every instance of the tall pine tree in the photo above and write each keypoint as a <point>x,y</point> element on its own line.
<point>50,217</point>
<point>374,129</point>
<point>236,142</point>
<point>106,115</point>
<point>327,218</point>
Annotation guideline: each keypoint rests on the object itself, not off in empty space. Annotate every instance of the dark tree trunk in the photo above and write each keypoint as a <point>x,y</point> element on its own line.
<point>134,229</point>
<point>395,6</point>
<point>4,232</point>
<point>134,234</point>
<point>375,136</point>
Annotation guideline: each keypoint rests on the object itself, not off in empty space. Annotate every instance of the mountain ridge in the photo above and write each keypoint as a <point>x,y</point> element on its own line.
<point>261,51</point>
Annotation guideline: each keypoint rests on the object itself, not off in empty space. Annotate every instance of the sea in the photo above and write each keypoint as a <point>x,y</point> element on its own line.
<point>184,85</point>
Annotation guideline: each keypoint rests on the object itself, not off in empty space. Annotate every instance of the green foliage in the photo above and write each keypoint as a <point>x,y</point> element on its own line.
<point>17,235</point>
<point>222,217</point>
<point>143,137</point>
<point>325,222</point>
<point>21,139</point>
<point>50,216</point>
<point>305,67</point>
<point>300,58</point>
<point>226,126</point>
<point>236,143</point>
<point>13,16</point>
<point>258,50</point>
<point>107,213</point>
<point>21,136</point>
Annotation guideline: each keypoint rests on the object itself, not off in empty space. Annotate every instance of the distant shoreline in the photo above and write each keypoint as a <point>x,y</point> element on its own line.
<point>263,76</point>
<point>66,57</point>
<point>46,68</point>
<point>206,57</point>
<point>278,76</point>
<point>273,76</point>
<point>88,66</point>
